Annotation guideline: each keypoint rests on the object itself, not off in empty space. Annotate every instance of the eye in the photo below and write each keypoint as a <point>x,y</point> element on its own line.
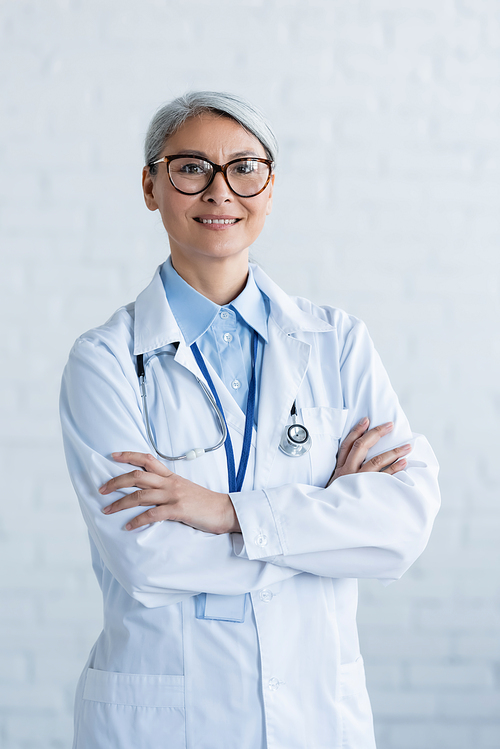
<point>189,167</point>
<point>245,167</point>
<point>195,168</point>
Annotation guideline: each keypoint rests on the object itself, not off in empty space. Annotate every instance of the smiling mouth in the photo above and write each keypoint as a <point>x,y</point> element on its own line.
<point>217,220</point>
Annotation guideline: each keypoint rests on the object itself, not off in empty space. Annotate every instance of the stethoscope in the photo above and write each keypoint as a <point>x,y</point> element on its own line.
<point>295,441</point>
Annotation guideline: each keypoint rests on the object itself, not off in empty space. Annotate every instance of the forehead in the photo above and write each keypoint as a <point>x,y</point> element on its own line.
<point>215,136</point>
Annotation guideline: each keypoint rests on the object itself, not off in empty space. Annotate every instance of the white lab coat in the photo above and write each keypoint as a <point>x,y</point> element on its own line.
<point>292,676</point>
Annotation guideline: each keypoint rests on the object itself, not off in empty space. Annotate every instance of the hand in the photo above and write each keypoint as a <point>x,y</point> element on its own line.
<point>354,449</point>
<point>173,497</point>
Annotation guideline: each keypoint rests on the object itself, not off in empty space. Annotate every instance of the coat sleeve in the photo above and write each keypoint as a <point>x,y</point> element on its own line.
<point>162,563</point>
<point>365,525</point>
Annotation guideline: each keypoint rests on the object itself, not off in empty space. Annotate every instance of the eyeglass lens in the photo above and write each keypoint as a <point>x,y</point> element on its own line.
<point>246,177</point>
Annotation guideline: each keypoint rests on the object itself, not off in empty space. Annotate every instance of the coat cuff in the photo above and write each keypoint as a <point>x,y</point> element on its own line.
<point>260,534</point>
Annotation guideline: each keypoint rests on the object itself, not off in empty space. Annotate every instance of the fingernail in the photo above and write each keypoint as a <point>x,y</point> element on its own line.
<point>129,526</point>
<point>116,455</point>
<point>388,424</point>
<point>107,510</point>
<point>407,448</point>
<point>363,421</point>
<point>102,489</point>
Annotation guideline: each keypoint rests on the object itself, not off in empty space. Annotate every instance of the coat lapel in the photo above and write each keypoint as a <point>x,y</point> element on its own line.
<point>234,415</point>
<point>284,366</point>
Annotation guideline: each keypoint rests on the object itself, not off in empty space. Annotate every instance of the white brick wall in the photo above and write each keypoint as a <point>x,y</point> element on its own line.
<point>397,102</point>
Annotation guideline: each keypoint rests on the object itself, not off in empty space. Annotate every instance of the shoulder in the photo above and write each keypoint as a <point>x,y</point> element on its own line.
<point>301,313</point>
<point>113,339</point>
<point>145,324</point>
<point>345,324</point>
<point>119,326</point>
<point>100,374</point>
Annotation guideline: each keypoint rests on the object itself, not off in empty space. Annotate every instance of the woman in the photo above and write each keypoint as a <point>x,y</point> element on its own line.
<point>230,603</point>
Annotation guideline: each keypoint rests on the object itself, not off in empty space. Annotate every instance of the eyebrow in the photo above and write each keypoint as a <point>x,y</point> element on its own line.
<point>237,155</point>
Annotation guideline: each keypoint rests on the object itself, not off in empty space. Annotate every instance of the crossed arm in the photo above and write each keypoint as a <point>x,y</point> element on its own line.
<point>172,497</point>
<point>372,520</point>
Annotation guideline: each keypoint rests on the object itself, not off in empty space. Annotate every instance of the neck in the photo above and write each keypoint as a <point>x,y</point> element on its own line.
<point>219,279</point>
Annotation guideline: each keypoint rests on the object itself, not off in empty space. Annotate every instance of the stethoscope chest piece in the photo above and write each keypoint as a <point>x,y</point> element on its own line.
<point>296,440</point>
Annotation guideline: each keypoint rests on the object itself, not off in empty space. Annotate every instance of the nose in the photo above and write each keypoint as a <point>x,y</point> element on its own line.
<point>219,191</point>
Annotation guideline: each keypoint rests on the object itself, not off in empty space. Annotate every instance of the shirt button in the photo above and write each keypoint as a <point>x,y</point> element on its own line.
<point>236,384</point>
<point>266,595</point>
<point>224,314</point>
<point>261,539</point>
<point>273,684</point>
<point>227,337</point>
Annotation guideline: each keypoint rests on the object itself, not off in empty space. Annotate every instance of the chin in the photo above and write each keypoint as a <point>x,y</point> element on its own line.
<point>222,251</point>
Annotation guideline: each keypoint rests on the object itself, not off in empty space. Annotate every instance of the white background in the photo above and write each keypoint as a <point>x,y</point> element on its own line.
<point>386,204</point>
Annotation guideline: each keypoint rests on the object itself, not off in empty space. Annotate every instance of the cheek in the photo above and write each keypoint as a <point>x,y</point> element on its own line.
<point>173,209</point>
<point>259,216</point>
<point>258,206</point>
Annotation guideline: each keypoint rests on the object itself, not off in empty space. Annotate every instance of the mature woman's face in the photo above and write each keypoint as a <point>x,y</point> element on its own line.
<point>220,140</point>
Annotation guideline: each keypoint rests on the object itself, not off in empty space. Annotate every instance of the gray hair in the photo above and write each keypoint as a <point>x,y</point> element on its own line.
<point>170,117</point>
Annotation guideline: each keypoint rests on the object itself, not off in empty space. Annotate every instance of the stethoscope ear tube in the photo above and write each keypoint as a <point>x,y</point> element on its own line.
<point>140,366</point>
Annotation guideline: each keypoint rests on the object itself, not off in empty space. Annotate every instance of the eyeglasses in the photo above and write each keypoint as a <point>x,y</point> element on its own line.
<point>191,175</point>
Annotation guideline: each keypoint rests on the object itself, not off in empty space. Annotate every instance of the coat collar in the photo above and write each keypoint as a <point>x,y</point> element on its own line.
<point>155,325</point>
<point>286,313</point>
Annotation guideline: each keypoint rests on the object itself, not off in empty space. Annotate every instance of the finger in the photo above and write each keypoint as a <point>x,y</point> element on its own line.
<point>144,460</point>
<point>362,444</point>
<point>141,479</point>
<point>385,460</point>
<point>400,465</point>
<point>143,497</point>
<point>153,515</point>
<point>346,445</point>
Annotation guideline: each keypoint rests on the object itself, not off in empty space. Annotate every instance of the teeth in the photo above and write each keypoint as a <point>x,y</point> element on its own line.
<point>218,220</point>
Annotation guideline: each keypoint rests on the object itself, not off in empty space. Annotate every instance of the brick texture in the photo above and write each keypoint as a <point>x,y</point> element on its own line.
<point>386,204</point>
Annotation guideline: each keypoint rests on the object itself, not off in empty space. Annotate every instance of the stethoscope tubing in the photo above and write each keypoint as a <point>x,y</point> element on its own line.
<point>210,398</point>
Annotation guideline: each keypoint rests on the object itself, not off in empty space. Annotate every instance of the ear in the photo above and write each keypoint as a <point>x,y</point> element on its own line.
<point>270,196</point>
<point>148,189</point>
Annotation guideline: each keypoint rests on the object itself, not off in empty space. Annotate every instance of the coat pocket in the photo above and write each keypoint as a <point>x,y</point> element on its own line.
<point>325,420</point>
<point>325,425</point>
<point>357,720</point>
<point>131,711</point>
<point>352,678</point>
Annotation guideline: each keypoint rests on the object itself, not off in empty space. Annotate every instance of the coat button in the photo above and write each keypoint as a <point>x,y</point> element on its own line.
<point>236,384</point>
<point>227,337</point>
<point>261,540</point>
<point>224,314</point>
<point>273,684</point>
<point>266,595</point>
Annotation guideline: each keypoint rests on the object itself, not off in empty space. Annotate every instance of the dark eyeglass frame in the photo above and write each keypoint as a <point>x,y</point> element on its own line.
<point>216,168</point>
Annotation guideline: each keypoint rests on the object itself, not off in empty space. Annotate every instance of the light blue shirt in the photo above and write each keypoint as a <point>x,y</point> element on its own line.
<point>223,334</point>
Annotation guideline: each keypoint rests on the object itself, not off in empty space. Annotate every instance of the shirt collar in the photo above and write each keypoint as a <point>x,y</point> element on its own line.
<point>253,306</point>
<point>194,313</point>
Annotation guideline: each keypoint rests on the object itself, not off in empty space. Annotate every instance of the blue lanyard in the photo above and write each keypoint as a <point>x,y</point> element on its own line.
<point>235,481</point>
